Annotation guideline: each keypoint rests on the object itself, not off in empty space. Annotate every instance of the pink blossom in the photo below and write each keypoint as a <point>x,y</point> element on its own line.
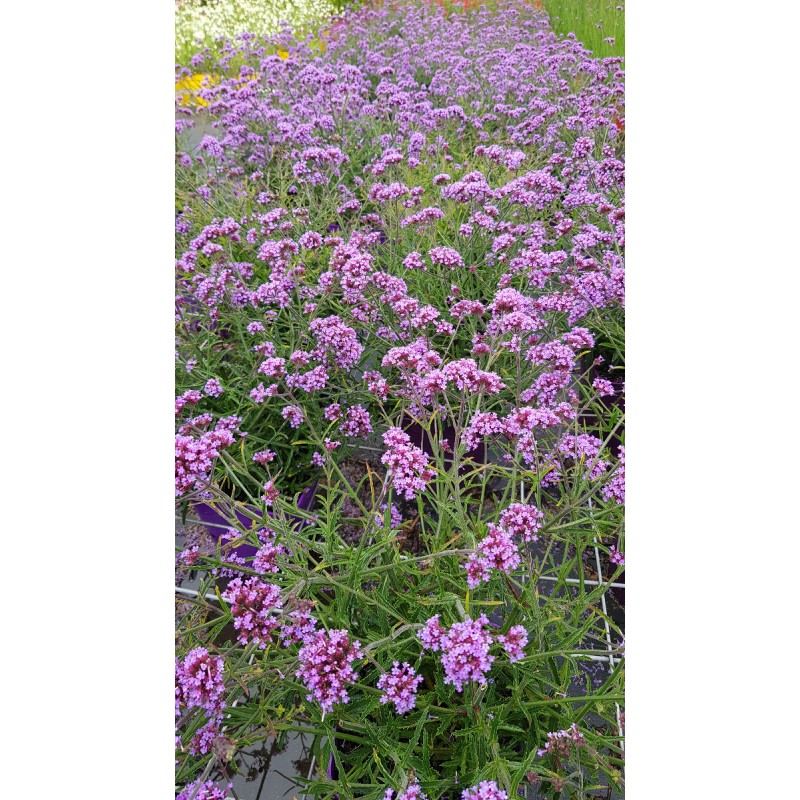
<point>325,666</point>
<point>514,642</point>
<point>465,652</point>
<point>431,634</point>
<point>407,464</point>
<point>400,686</point>
<point>252,605</point>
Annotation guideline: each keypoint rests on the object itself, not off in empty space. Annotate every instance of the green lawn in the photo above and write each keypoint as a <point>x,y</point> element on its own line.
<point>582,17</point>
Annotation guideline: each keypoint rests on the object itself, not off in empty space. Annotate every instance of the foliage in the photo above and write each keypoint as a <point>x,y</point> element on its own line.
<point>410,240</point>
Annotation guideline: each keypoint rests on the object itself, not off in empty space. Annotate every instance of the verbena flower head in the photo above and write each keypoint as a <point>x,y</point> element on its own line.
<point>615,488</point>
<point>522,519</point>
<point>412,792</point>
<point>325,666</point>
<point>465,652</point>
<point>432,633</point>
<point>514,642</point>
<point>560,743</point>
<point>408,465</point>
<point>199,681</point>
<point>400,686</point>
<point>253,605</point>
<point>208,790</point>
<point>485,790</point>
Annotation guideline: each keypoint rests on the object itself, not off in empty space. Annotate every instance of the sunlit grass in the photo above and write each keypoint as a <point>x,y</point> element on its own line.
<point>594,23</point>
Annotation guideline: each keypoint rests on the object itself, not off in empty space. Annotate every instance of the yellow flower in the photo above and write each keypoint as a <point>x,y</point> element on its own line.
<point>283,54</point>
<point>190,85</point>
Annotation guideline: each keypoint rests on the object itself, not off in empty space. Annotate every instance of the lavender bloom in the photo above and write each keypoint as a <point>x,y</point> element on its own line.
<point>302,625</point>
<point>412,792</point>
<point>560,743</point>
<point>325,669</point>
<point>408,465</point>
<point>496,550</point>
<point>465,652</point>
<point>207,791</point>
<point>213,388</point>
<point>514,642</point>
<point>615,488</point>
<point>253,602</point>
<point>521,519</point>
<point>400,686</point>
<point>199,682</point>
<point>485,790</point>
<point>431,635</point>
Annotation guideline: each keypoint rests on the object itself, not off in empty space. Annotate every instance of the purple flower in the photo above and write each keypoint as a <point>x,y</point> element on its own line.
<point>446,257</point>
<point>199,682</point>
<point>325,669</point>
<point>485,790</point>
<point>431,634</point>
<point>400,686</point>
<point>615,488</point>
<point>266,559</point>
<point>604,388</point>
<point>213,388</point>
<point>465,652</point>
<point>206,791</point>
<point>496,550</point>
<point>412,792</point>
<point>302,624</point>
<point>357,422</point>
<point>514,642</point>
<point>253,603</point>
<point>521,519</point>
<point>408,465</point>
<point>294,414</point>
<point>560,743</point>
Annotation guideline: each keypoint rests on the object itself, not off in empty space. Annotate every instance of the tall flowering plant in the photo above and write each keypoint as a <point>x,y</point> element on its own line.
<point>409,245</point>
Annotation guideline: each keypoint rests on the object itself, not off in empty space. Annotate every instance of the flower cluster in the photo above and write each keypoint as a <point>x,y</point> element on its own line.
<point>208,790</point>
<point>485,790</point>
<point>560,743</point>
<point>522,519</point>
<point>513,642</point>
<point>432,633</point>
<point>465,652</point>
<point>495,551</point>
<point>253,604</point>
<point>412,792</point>
<point>199,681</point>
<point>325,666</point>
<point>407,465</point>
<point>400,686</point>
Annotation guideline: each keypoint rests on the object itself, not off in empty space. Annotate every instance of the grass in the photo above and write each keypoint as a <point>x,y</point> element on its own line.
<point>582,17</point>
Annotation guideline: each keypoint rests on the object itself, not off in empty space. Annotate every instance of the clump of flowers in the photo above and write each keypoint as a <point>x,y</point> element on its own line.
<point>199,682</point>
<point>485,790</point>
<point>399,686</point>
<point>253,606</point>
<point>465,652</point>
<point>407,464</point>
<point>495,551</point>
<point>412,792</point>
<point>513,642</point>
<point>208,790</point>
<point>399,272</point>
<point>560,743</point>
<point>325,666</point>
<point>522,519</point>
<point>432,634</point>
